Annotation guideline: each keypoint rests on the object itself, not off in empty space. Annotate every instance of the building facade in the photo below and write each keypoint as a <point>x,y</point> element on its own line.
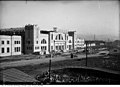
<point>35,41</point>
<point>60,41</point>
<point>10,45</point>
<point>44,42</point>
<point>79,43</point>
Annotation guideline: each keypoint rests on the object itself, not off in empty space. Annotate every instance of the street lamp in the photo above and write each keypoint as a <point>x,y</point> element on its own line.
<point>86,53</point>
<point>50,66</point>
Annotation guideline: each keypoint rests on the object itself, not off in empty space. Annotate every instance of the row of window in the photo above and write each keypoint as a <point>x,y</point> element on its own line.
<point>16,42</point>
<point>3,50</point>
<point>59,37</point>
<point>43,47</point>
<point>29,48</point>
<point>17,49</point>
<point>59,47</point>
<point>37,47</point>
<point>3,42</point>
<point>79,41</point>
<point>8,42</point>
<point>43,41</point>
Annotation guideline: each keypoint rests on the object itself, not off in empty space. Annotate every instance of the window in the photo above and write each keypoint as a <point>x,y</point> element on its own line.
<point>70,41</point>
<point>51,36</point>
<point>67,46</point>
<point>36,47</point>
<point>45,48</point>
<point>28,42</point>
<point>63,47</point>
<point>8,42</point>
<point>2,42</point>
<point>59,37</point>
<point>36,42</point>
<point>15,49</point>
<point>19,49</point>
<point>56,47</point>
<point>8,49</point>
<point>59,47</point>
<point>43,41</point>
<point>51,47</point>
<point>14,42</point>
<point>65,36</point>
<point>2,50</point>
<point>29,48</point>
<point>41,48</point>
<point>17,42</point>
<point>115,50</point>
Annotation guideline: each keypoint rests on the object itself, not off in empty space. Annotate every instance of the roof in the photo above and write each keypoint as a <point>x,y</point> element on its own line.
<point>15,75</point>
<point>90,41</point>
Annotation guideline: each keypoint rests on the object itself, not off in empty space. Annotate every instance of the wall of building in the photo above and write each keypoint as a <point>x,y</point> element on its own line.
<point>79,43</point>
<point>4,45</point>
<point>16,45</point>
<point>44,44</point>
<point>69,43</point>
<point>58,41</point>
<point>10,44</point>
<point>29,39</point>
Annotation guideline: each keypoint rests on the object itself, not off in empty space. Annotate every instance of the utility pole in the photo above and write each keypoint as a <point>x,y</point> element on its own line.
<point>50,67</point>
<point>86,53</point>
<point>94,37</point>
<point>119,21</point>
<point>11,44</point>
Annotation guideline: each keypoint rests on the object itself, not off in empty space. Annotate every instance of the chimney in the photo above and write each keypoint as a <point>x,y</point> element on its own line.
<point>55,29</point>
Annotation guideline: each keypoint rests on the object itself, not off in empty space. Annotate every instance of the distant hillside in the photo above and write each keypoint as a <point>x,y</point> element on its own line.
<point>99,37</point>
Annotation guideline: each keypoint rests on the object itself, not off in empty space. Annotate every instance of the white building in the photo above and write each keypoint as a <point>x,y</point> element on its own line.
<point>35,41</point>
<point>79,43</point>
<point>43,42</point>
<point>60,41</point>
<point>10,45</point>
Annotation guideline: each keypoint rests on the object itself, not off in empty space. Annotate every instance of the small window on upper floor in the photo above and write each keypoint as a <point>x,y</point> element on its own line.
<point>51,36</point>
<point>2,50</point>
<point>2,42</point>
<point>28,42</point>
<point>8,42</point>
<point>67,37</point>
<point>8,49</point>
<point>43,41</point>
<point>70,41</point>
<point>36,42</point>
<point>15,42</point>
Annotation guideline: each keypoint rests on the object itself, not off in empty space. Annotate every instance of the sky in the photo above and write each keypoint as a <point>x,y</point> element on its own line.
<point>85,17</point>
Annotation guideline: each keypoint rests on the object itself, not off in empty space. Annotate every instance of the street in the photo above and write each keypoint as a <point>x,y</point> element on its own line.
<point>40,61</point>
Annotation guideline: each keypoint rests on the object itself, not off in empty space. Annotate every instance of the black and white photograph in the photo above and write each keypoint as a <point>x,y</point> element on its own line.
<point>60,42</point>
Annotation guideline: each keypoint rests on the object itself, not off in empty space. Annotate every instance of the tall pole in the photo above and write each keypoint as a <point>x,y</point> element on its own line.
<point>86,53</point>
<point>11,44</point>
<point>50,67</point>
<point>119,21</point>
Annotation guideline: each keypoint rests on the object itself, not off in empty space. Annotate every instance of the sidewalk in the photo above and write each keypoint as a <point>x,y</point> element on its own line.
<point>38,61</point>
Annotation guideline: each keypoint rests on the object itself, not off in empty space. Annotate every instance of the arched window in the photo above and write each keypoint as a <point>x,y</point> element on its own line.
<point>43,41</point>
<point>59,37</point>
<point>77,41</point>
<point>70,41</point>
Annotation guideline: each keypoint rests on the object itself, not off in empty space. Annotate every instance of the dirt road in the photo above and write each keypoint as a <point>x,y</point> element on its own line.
<point>39,61</point>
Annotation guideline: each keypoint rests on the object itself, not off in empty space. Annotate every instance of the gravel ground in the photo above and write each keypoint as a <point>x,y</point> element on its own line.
<point>38,61</point>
